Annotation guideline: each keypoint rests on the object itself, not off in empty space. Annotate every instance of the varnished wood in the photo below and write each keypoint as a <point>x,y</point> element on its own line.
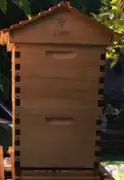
<point>1,164</point>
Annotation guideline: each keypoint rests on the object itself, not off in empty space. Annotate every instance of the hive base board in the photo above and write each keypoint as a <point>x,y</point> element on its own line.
<point>59,175</point>
<point>52,178</point>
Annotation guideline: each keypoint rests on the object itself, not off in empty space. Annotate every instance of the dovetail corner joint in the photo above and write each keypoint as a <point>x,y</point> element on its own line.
<point>97,153</point>
<point>17,78</point>
<point>17,54</point>
<point>17,121</point>
<point>96,165</point>
<point>17,142</point>
<point>17,66</point>
<point>101,80</point>
<point>17,153</point>
<point>98,133</point>
<point>17,102</point>
<point>102,68</point>
<point>17,90</point>
<point>98,122</point>
<point>101,91</point>
<point>17,132</point>
<point>103,56</point>
<point>98,143</point>
<point>100,103</point>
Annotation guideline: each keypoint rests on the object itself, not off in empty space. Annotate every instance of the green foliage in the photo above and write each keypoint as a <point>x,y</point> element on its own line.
<point>112,16</point>
<point>3,5</point>
<point>23,4</point>
<point>86,6</point>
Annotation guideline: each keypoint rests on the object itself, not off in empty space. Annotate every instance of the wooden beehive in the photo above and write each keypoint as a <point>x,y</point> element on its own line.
<point>57,85</point>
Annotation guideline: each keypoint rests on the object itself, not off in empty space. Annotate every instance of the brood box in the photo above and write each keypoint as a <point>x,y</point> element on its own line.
<point>57,82</point>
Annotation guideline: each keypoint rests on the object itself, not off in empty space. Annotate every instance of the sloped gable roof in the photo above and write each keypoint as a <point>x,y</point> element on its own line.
<point>61,7</point>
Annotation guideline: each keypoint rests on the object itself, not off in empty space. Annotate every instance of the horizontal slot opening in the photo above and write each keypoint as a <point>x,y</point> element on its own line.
<point>61,54</point>
<point>59,121</point>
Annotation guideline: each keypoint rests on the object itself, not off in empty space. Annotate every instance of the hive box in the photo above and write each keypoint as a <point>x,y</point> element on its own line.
<point>57,82</point>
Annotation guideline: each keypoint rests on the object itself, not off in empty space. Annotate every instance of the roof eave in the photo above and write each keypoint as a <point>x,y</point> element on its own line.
<point>5,40</point>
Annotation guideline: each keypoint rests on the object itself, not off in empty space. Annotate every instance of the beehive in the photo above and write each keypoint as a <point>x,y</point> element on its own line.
<point>57,85</point>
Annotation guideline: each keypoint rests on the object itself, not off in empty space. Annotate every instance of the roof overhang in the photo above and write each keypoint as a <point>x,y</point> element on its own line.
<point>6,33</point>
<point>5,40</point>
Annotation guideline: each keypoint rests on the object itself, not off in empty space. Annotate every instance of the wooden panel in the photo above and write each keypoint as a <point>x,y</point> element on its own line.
<point>68,140</point>
<point>59,92</point>
<point>1,164</point>
<point>61,145</point>
<point>38,65</point>
<point>73,30</point>
<point>66,89</point>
